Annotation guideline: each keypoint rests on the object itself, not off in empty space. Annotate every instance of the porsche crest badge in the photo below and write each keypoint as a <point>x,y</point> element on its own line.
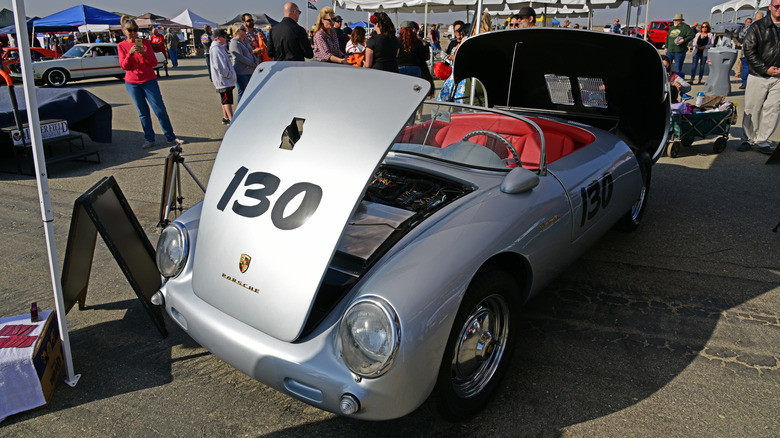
<point>243,262</point>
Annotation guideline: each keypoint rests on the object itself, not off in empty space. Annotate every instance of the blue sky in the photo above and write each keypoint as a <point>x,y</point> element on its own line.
<point>693,10</point>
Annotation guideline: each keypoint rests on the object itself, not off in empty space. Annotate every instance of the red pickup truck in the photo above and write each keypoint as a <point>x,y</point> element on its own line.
<point>657,31</point>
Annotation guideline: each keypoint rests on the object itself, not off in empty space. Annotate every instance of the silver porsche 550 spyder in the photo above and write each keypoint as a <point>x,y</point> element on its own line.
<point>362,263</point>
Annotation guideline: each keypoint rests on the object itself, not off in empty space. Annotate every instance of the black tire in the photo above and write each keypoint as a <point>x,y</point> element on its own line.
<point>633,218</point>
<point>687,141</point>
<point>480,345</point>
<point>673,149</point>
<point>719,145</point>
<point>56,77</point>
<point>120,77</point>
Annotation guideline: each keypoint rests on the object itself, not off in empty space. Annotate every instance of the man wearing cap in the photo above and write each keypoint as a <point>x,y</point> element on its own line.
<point>288,41</point>
<point>762,96</point>
<point>527,17</point>
<point>680,34</point>
<point>340,33</point>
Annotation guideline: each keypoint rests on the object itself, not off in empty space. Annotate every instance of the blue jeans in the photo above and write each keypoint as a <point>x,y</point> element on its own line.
<point>679,59</point>
<point>150,92</point>
<point>745,71</point>
<point>174,57</point>
<point>410,70</point>
<point>698,61</point>
<point>241,82</point>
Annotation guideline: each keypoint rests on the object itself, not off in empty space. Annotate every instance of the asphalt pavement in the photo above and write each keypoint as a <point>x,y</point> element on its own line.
<point>673,330</point>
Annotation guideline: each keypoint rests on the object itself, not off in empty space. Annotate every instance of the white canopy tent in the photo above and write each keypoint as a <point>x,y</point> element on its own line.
<point>426,6</point>
<point>735,6</point>
<point>191,19</point>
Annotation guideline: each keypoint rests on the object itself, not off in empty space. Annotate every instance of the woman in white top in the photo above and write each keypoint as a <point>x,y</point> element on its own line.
<point>702,42</point>
<point>356,46</point>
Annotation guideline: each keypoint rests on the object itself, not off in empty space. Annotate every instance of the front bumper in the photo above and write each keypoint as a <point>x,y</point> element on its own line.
<point>310,370</point>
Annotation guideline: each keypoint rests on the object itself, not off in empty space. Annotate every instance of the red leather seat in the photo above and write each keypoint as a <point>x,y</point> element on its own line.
<point>561,139</point>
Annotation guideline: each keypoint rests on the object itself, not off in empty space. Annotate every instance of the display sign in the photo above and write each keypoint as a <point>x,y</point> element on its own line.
<point>49,130</point>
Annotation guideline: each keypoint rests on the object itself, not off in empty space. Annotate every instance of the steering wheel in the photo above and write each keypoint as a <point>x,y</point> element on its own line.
<point>498,137</point>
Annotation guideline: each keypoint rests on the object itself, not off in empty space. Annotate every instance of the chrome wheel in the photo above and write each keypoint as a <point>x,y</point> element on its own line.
<point>481,344</point>
<point>637,208</point>
<point>631,220</point>
<point>56,77</point>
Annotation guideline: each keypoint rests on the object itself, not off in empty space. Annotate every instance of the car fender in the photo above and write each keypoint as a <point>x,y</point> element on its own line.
<point>454,249</point>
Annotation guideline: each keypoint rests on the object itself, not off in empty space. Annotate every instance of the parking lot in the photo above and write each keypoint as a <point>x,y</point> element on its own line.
<point>673,330</point>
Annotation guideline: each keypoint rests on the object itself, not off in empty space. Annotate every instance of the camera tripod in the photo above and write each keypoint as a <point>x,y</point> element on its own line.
<point>172,197</point>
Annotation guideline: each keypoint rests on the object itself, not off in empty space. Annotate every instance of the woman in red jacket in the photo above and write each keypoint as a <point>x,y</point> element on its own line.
<point>137,58</point>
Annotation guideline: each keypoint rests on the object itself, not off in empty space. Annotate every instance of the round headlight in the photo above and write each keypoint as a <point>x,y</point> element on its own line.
<point>172,250</point>
<point>369,335</point>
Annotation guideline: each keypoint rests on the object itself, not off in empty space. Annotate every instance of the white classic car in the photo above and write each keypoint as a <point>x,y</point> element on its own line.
<point>82,61</point>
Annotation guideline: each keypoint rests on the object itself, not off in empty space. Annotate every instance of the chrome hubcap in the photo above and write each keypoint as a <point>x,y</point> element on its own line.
<point>481,344</point>
<point>637,207</point>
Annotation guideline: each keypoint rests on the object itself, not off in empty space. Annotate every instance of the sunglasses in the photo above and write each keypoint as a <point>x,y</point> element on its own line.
<point>249,21</point>
<point>132,30</point>
<point>514,24</point>
<point>328,19</point>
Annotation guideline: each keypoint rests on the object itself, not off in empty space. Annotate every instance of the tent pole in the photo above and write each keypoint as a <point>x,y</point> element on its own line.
<point>628,17</point>
<point>39,161</point>
<point>647,18</point>
<point>425,28</point>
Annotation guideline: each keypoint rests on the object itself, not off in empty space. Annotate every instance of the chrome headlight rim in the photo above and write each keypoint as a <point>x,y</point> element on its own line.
<point>185,238</point>
<point>392,317</point>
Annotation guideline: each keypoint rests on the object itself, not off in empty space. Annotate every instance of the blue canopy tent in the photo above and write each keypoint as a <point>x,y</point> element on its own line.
<point>72,18</point>
<point>362,24</point>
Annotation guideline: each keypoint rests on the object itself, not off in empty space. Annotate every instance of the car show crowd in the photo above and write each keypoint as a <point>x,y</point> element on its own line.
<point>232,54</point>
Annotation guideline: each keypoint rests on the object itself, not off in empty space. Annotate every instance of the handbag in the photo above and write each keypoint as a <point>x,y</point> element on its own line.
<point>442,70</point>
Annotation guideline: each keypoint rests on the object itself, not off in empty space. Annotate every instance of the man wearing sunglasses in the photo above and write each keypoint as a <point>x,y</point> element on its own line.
<point>337,21</point>
<point>526,17</point>
<point>762,96</point>
<point>287,41</point>
<point>256,39</point>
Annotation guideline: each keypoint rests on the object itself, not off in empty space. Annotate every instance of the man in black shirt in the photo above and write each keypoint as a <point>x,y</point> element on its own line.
<point>287,41</point>
<point>340,33</point>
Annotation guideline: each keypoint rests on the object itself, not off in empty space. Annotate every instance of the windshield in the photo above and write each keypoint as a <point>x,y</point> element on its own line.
<point>75,52</point>
<point>472,136</point>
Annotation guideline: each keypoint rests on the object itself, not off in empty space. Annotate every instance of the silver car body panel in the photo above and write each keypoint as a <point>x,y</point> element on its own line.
<point>270,200</point>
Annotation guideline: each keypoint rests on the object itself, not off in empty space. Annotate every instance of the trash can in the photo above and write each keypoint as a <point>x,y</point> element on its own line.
<point>721,60</point>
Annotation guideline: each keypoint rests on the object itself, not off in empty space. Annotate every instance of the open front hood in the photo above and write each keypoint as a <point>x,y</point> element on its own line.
<point>291,170</point>
<point>625,86</point>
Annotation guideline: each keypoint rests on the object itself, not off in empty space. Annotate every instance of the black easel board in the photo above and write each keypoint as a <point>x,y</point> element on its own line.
<point>104,209</point>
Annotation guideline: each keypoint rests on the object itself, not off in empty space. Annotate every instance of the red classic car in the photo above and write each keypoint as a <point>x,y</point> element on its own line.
<point>657,31</point>
<point>11,55</point>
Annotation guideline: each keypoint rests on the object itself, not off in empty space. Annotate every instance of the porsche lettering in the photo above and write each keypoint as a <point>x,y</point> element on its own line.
<point>241,283</point>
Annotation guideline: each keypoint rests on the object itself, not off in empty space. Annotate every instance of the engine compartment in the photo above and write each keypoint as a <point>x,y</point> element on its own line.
<point>395,201</point>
